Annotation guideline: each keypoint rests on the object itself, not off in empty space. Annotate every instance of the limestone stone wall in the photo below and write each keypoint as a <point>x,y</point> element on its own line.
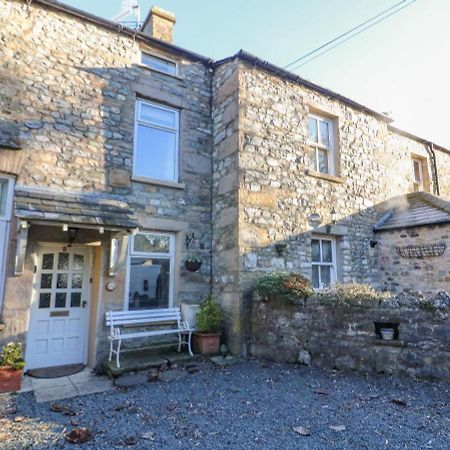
<point>344,337</point>
<point>225,212</point>
<point>428,275</point>
<point>75,113</point>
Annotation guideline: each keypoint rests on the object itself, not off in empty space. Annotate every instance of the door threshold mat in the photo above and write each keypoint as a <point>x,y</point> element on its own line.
<point>56,372</point>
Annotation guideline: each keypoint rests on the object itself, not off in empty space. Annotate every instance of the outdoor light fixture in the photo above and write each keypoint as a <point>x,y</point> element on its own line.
<point>190,240</point>
<point>333,215</point>
<point>72,234</point>
<point>373,243</point>
<point>280,248</point>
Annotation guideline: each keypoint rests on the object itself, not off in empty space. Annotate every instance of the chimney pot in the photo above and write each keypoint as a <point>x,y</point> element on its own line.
<point>159,24</point>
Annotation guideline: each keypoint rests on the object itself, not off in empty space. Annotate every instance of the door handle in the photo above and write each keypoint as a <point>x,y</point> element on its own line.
<point>83,304</point>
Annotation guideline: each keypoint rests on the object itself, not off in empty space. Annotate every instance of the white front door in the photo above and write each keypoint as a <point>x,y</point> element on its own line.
<point>58,328</point>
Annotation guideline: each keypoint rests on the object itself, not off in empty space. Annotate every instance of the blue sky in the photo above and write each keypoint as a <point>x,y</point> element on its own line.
<point>401,65</point>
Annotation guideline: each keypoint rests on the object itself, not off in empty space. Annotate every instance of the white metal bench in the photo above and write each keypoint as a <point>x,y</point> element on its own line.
<point>117,320</point>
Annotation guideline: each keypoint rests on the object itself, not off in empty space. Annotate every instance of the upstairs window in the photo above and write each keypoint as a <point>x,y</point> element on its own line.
<point>159,64</point>
<point>156,142</point>
<point>321,139</point>
<point>6,193</point>
<point>419,169</point>
<point>323,258</point>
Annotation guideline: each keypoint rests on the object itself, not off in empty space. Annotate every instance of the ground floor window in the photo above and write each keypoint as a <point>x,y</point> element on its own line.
<point>150,271</point>
<point>6,195</point>
<point>323,257</point>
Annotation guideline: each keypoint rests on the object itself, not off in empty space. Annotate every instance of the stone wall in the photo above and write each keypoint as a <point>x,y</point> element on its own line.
<point>344,337</point>
<point>428,274</point>
<point>75,114</point>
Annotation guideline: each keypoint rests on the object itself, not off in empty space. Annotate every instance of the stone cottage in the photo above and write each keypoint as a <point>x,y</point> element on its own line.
<point>122,155</point>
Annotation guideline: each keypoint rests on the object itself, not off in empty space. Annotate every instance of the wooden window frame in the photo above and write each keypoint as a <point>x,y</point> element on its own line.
<point>316,146</point>
<point>332,264</point>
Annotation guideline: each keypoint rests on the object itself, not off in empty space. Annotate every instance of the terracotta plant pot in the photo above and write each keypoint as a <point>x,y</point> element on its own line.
<point>10,379</point>
<point>193,266</point>
<point>206,343</point>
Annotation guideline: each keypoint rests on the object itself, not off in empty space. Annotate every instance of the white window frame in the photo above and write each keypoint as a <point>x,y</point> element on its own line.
<point>419,184</point>
<point>162,58</point>
<point>138,121</point>
<point>170,256</point>
<point>316,146</point>
<point>332,264</point>
<point>5,224</point>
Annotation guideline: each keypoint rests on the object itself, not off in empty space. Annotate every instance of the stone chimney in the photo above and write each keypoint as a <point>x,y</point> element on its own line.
<point>159,24</point>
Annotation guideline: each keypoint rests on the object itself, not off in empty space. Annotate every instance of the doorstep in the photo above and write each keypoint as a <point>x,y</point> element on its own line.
<point>51,389</point>
<point>143,359</point>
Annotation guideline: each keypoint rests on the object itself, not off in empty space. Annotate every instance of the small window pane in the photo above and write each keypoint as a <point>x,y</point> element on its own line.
<point>315,250</point>
<point>327,255</point>
<point>324,133</point>
<point>75,301</point>
<point>151,243</point>
<point>149,283</point>
<point>312,130</point>
<point>158,116</point>
<point>417,174</point>
<point>77,281</point>
<point>60,300</point>
<point>47,261</point>
<point>160,64</point>
<point>325,275</point>
<point>323,161</point>
<point>61,281</point>
<point>63,261</point>
<point>78,262</point>
<point>46,281</point>
<point>315,277</point>
<point>155,155</point>
<point>44,300</point>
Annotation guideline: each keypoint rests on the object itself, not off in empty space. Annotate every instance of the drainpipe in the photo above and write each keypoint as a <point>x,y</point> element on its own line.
<point>435,170</point>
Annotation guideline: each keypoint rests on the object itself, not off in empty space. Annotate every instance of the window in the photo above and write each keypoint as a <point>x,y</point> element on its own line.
<point>321,139</point>
<point>159,64</point>
<point>419,168</point>
<point>150,272</point>
<point>323,257</point>
<point>6,195</point>
<point>156,142</point>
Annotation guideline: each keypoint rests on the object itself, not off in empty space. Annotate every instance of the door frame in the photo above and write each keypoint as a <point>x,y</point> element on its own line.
<point>41,247</point>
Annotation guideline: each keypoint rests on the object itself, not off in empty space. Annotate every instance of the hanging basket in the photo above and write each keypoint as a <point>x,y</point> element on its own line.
<point>421,251</point>
<point>193,266</point>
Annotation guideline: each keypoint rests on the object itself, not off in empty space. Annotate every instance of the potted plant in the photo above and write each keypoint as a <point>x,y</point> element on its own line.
<point>11,366</point>
<point>192,263</point>
<point>206,339</point>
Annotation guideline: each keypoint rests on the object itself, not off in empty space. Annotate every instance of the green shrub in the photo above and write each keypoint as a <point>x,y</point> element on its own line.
<point>12,356</point>
<point>209,317</point>
<point>351,294</point>
<point>284,287</point>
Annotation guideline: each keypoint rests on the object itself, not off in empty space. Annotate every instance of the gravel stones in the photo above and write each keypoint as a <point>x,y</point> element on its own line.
<point>130,380</point>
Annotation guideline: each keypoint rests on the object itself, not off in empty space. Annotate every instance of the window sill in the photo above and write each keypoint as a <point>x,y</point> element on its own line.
<point>164,183</point>
<point>143,66</point>
<point>324,176</point>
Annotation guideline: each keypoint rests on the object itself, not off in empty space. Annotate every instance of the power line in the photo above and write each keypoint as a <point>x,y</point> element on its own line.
<point>358,27</point>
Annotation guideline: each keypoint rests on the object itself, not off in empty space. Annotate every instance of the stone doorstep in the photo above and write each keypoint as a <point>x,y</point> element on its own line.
<point>143,359</point>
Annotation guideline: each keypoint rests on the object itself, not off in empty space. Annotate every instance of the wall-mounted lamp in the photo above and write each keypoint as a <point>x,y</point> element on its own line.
<point>333,216</point>
<point>72,234</point>
<point>280,248</point>
<point>373,243</point>
<point>190,240</point>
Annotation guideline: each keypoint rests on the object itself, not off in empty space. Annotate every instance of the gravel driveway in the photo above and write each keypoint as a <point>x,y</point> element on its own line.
<point>253,404</point>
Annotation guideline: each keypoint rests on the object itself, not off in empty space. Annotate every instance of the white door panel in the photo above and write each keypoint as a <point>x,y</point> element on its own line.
<point>59,310</point>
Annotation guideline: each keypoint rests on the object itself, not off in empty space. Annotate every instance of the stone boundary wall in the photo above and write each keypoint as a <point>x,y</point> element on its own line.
<point>344,337</point>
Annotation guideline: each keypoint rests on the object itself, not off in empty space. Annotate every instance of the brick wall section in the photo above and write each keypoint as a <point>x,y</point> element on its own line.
<point>428,275</point>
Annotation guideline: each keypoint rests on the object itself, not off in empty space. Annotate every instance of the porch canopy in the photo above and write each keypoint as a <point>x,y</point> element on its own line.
<point>70,210</point>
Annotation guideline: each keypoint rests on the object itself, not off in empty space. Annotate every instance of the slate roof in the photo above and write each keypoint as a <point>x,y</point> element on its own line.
<point>73,209</point>
<point>413,210</point>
